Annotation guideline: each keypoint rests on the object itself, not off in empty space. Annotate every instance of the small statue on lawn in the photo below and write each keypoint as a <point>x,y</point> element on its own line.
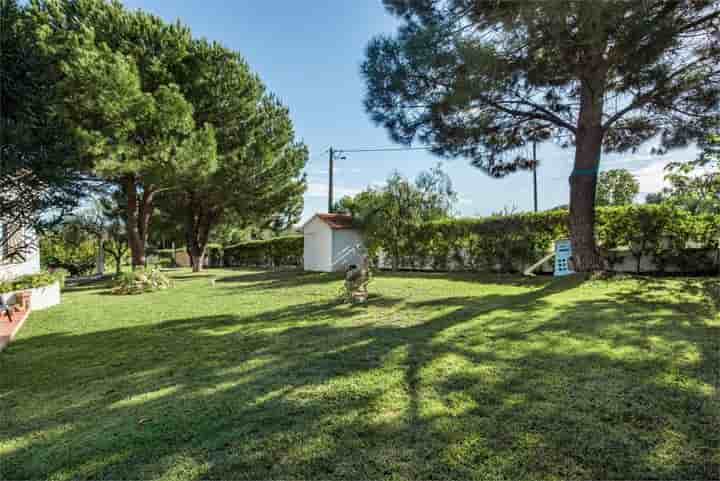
<point>355,290</point>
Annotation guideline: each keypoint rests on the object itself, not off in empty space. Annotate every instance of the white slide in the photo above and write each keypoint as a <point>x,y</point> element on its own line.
<point>529,270</point>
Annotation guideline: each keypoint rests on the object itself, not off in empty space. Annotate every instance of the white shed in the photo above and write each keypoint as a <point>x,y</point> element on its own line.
<point>331,243</point>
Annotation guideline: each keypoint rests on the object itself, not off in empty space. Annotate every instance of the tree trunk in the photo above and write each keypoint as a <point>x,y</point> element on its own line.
<point>197,257</point>
<point>198,224</point>
<point>100,264</point>
<point>145,215</point>
<point>583,180</point>
<point>138,219</point>
<point>137,246</point>
<point>197,262</point>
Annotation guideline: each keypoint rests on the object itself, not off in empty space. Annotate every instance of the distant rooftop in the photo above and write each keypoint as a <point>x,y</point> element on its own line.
<point>337,221</point>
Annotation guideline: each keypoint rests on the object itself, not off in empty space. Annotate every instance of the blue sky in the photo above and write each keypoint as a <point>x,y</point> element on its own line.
<point>309,54</point>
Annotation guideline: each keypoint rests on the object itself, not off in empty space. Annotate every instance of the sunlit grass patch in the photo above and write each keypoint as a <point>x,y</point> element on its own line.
<point>440,376</point>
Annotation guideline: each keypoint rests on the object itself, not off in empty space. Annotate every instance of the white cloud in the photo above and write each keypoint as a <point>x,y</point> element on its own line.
<point>651,177</point>
<point>632,159</point>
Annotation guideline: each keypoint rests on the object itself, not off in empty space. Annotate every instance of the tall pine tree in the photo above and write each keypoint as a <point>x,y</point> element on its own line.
<point>255,176</point>
<point>474,78</point>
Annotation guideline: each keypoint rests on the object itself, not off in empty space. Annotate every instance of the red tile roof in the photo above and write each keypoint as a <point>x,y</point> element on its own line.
<point>337,221</point>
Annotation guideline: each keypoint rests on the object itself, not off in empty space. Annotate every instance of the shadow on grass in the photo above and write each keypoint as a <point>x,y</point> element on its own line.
<point>278,279</point>
<point>476,277</point>
<point>194,276</point>
<point>316,390</point>
<point>90,286</point>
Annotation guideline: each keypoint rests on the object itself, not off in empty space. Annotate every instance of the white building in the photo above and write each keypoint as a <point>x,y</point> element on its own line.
<point>332,243</point>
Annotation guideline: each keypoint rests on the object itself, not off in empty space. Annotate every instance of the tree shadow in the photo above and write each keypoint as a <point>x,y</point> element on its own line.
<point>194,276</point>
<point>473,277</point>
<point>278,279</point>
<point>457,387</point>
<point>91,286</point>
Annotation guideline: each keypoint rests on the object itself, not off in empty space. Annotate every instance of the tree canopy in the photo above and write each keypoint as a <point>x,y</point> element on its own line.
<point>40,173</point>
<point>157,113</point>
<point>479,79</point>
<point>388,213</point>
<point>694,185</point>
<point>252,171</point>
<point>616,187</point>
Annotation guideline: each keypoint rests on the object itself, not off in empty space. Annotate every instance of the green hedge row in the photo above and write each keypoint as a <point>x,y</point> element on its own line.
<point>280,251</point>
<point>668,237</point>
<point>214,255</point>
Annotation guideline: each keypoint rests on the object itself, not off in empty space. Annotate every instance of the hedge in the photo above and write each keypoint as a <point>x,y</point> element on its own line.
<point>213,255</point>
<point>667,236</point>
<point>280,251</point>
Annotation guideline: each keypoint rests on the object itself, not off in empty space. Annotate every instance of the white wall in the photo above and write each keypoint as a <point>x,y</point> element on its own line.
<point>347,248</point>
<point>317,246</point>
<point>30,266</point>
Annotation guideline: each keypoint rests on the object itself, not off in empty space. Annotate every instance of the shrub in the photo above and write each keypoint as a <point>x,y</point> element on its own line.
<point>502,242</point>
<point>215,255</point>
<point>641,228</point>
<point>165,256</point>
<point>78,257</point>
<point>280,251</point>
<point>140,281</point>
<point>33,281</point>
<point>508,243</point>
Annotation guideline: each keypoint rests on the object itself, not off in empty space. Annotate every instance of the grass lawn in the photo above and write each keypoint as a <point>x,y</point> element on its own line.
<point>265,376</point>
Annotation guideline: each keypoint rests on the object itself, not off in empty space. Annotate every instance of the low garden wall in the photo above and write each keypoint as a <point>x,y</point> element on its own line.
<point>705,262</point>
<point>44,289</point>
<point>40,297</point>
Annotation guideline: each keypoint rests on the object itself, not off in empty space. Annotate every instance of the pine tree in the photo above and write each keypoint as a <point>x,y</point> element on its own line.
<point>255,175</point>
<point>116,71</point>
<point>475,78</point>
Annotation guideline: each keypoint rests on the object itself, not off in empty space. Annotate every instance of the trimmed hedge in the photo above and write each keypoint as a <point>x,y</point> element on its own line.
<point>280,251</point>
<point>667,236</point>
<point>213,255</point>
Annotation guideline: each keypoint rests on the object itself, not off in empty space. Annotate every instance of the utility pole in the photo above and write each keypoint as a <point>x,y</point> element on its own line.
<point>330,186</point>
<point>535,198</point>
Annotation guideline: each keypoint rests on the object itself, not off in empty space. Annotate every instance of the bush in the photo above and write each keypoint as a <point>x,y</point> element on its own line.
<point>280,251</point>
<point>141,281</point>
<point>78,258</point>
<point>504,243</point>
<point>33,281</point>
<point>164,256</point>
<point>508,243</point>
<point>215,255</point>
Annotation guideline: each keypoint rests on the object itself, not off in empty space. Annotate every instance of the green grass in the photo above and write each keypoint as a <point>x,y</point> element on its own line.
<point>440,377</point>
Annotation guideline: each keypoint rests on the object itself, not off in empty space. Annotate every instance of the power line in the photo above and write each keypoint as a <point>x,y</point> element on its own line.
<point>382,149</point>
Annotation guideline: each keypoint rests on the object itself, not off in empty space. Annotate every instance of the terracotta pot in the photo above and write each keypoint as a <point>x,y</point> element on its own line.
<point>23,300</point>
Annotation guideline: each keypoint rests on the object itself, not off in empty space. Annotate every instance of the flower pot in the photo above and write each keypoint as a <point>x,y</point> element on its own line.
<point>22,300</point>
